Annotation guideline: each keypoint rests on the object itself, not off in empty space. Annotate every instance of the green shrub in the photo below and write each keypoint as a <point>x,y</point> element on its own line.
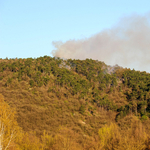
<point>31,83</point>
<point>82,109</point>
<point>144,117</point>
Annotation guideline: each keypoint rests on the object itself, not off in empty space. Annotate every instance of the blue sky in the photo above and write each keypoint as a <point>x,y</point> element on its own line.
<point>28,27</point>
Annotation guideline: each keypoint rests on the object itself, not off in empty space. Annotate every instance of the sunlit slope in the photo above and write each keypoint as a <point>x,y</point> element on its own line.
<point>82,95</point>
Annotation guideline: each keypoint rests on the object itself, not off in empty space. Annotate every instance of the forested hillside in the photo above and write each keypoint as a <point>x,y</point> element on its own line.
<point>73,105</point>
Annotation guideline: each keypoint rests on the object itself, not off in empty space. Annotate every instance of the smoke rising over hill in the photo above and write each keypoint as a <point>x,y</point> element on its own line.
<point>126,44</point>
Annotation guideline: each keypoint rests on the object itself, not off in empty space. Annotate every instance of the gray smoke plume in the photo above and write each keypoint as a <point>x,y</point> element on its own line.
<point>126,44</point>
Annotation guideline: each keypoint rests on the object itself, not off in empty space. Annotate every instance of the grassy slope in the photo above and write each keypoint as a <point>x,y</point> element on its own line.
<point>79,102</point>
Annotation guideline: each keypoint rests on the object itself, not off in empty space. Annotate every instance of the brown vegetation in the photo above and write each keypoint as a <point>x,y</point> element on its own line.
<point>73,105</point>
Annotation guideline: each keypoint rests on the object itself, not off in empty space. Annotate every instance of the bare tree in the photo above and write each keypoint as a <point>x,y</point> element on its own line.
<point>7,125</point>
<point>1,135</point>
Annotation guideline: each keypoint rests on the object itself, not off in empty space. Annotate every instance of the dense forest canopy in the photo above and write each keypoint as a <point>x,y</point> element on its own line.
<point>82,102</point>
